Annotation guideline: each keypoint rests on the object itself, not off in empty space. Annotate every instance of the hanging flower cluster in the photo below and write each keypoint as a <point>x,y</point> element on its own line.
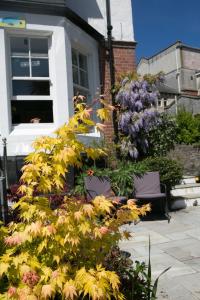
<point>137,100</point>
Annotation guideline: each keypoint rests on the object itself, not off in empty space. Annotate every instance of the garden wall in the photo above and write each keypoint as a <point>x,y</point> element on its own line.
<point>189,156</point>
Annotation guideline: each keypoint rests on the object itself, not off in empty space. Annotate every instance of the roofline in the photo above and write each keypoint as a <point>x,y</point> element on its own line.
<point>179,43</point>
<point>142,59</point>
<point>188,47</point>
<point>170,90</point>
<point>53,10</point>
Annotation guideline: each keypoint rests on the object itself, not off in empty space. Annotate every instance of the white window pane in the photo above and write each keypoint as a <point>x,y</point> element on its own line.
<point>74,58</point>
<point>75,75</point>
<point>83,61</point>
<point>39,47</point>
<point>20,67</point>
<point>40,67</point>
<point>19,46</point>
<point>83,79</point>
<point>28,88</point>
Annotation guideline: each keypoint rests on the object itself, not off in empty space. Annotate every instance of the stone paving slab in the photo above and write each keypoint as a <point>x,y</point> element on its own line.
<point>176,244</point>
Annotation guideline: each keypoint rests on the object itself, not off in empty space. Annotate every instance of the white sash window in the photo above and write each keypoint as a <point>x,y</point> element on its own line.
<point>31,85</point>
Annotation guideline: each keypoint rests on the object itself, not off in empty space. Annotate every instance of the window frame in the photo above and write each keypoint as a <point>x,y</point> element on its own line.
<point>87,90</point>
<point>30,78</point>
<point>30,34</point>
<point>94,132</point>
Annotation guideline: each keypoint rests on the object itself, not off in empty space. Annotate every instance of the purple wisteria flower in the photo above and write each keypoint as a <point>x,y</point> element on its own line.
<point>137,100</point>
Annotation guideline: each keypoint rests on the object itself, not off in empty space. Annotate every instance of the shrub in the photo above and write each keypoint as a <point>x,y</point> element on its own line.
<point>188,127</point>
<point>52,254</point>
<point>162,138</point>
<point>171,171</point>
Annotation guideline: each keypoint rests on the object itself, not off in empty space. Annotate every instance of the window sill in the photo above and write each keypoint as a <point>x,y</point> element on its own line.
<point>91,134</point>
<point>34,129</point>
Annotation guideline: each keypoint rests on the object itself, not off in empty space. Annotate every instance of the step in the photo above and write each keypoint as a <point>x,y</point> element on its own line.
<point>180,202</point>
<point>185,189</point>
<point>188,179</point>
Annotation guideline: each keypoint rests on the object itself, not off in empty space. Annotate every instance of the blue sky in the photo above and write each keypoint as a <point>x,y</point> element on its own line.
<point>159,23</point>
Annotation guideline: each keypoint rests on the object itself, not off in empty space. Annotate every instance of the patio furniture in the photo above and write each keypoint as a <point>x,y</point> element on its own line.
<point>148,188</point>
<point>96,186</point>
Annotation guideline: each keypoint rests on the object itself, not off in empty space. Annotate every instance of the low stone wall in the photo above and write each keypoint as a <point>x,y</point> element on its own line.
<point>189,156</point>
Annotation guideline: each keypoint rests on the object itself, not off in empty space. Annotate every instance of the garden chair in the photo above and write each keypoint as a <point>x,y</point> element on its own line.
<point>147,188</point>
<point>96,186</point>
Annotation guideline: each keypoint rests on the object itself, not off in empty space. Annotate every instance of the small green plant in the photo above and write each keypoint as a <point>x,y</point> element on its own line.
<point>162,138</point>
<point>188,127</point>
<point>136,279</point>
<point>122,177</point>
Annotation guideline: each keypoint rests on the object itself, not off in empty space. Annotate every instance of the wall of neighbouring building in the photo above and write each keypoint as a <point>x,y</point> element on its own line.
<point>189,157</point>
<point>164,61</point>
<point>190,59</point>
<point>188,80</point>
<point>191,104</point>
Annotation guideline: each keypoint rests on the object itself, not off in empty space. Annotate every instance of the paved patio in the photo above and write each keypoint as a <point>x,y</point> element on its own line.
<point>176,244</point>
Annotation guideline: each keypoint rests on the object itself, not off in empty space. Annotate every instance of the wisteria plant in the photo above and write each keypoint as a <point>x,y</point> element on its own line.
<point>137,100</point>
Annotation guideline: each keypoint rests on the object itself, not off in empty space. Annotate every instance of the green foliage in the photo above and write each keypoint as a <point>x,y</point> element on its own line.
<point>171,171</point>
<point>162,138</point>
<point>188,127</point>
<point>121,177</point>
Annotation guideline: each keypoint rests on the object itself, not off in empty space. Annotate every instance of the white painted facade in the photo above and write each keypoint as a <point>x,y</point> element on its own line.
<point>94,12</point>
<point>64,36</point>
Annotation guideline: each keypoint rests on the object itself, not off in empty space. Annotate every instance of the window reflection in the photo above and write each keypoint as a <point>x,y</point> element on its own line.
<point>29,87</point>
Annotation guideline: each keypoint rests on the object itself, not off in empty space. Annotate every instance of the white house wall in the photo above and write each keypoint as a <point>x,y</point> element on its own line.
<point>64,36</point>
<point>94,12</point>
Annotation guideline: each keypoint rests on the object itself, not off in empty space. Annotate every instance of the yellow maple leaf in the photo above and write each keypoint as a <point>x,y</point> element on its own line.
<point>85,228</point>
<point>102,204</point>
<point>88,209</point>
<point>35,228</point>
<point>3,268</point>
<point>103,114</point>
<point>78,215</point>
<point>69,290</point>
<point>47,291</point>
<point>127,234</point>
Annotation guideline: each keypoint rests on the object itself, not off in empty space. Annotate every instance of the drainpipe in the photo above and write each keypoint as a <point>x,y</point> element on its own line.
<point>4,186</point>
<point>176,104</point>
<point>112,68</point>
<point>5,161</point>
<point>178,67</point>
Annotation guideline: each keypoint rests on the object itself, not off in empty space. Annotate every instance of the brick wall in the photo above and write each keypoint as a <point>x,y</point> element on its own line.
<point>124,62</point>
